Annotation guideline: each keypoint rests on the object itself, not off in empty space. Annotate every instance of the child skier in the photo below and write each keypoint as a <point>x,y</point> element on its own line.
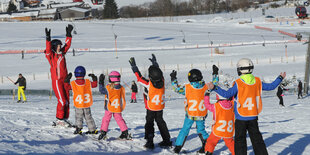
<point>82,99</point>
<point>195,110</point>
<point>114,104</point>
<point>247,92</point>
<point>223,126</point>
<point>134,91</point>
<point>154,102</point>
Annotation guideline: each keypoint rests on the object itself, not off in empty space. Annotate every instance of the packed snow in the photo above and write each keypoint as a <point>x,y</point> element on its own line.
<point>26,128</point>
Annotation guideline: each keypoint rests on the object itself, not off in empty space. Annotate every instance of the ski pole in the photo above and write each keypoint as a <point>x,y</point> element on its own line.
<point>10,80</point>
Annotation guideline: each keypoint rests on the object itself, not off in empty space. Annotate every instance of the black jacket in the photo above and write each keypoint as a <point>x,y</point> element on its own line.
<point>299,86</point>
<point>134,88</point>
<point>21,81</point>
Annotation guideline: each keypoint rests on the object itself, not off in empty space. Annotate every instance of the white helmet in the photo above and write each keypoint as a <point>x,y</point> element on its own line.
<point>245,66</point>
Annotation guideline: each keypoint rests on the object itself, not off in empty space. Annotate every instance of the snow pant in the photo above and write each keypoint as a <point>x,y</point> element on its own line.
<point>133,96</point>
<point>241,127</point>
<point>80,114</point>
<point>281,100</point>
<point>299,94</point>
<point>200,126</point>
<point>149,125</point>
<point>118,118</point>
<point>21,91</point>
<point>62,95</point>
<point>213,140</point>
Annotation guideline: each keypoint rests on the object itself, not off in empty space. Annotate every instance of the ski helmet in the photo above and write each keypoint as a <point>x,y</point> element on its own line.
<point>114,76</point>
<point>245,66</point>
<point>194,75</point>
<point>55,43</point>
<point>155,73</point>
<point>79,71</point>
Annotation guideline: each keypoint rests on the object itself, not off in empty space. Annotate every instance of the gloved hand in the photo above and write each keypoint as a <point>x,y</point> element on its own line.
<point>132,62</point>
<point>173,75</point>
<point>93,76</point>
<point>101,79</point>
<point>68,77</point>
<point>48,34</point>
<point>69,29</point>
<point>207,93</point>
<point>133,65</point>
<point>154,61</point>
<point>215,70</point>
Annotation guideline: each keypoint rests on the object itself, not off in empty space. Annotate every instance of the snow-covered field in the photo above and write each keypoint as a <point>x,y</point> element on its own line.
<point>26,128</point>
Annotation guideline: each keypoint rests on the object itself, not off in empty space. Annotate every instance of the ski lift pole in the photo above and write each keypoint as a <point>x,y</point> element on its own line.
<point>306,85</point>
<point>211,42</point>
<point>115,37</point>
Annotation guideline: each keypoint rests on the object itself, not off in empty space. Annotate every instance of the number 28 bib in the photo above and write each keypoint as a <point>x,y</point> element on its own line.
<point>249,102</point>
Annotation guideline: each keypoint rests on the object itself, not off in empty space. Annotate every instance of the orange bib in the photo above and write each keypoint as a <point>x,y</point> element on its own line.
<point>194,103</point>
<point>224,121</point>
<point>82,96</point>
<point>155,101</point>
<point>116,99</point>
<point>249,102</point>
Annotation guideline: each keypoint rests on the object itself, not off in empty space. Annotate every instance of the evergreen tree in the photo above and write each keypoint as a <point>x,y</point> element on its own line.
<point>110,10</point>
<point>11,8</point>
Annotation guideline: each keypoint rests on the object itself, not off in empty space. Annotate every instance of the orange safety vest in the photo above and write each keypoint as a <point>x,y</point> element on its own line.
<point>249,101</point>
<point>224,121</point>
<point>116,99</point>
<point>194,101</point>
<point>82,95</point>
<point>155,101</point>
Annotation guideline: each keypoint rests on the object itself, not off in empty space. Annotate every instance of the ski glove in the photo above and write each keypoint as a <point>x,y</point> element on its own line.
<point>132,63</point>
<point>93,76</point>
<point>69,29</point>
<point>154,61</point>
<point>48,34</point>
<point>173,75</point>
<point>101,79</point>
<point>215,70</point>
<point>68,77</point>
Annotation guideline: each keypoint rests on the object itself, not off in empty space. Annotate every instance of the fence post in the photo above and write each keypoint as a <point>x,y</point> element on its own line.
<point>256,60</point>
<point>51,93</point>
<point>13,91</point>
<point>48,75</point>
<point>294,59</point>
<point>34,76</point>
<point>121,70</point>
<point>269,60</point>
<point>231,63</point>
<point>1,79</point>
<point>218,64</point>
<point>281,59</point>
<point>191,66</point>
<point>205,65</point>
<point>178,67</point>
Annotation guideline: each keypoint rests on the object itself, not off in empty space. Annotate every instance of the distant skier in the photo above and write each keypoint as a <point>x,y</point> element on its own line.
<point>154,99</point>
<point>280,94</point>
<point>299,88</point>
<point>55,54</point>
<point>82,99</point>
<point>21,88</point>
<point>114,104</point>
<point>195,110</point>
<point>134,91</point>
<point>247,92</point>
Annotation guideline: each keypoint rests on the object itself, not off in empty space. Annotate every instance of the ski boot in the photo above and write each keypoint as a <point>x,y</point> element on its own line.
<point>24,101</point>
<point>209,153</point>
<point>131,101</point>
<point>18,101</point>
<point>177,149</point>
<point>103,135</point>
<point>78,131</point>
<point>165,144</point>
<point>92,132</point>
<point>135,101</point>
<point>125,135</point>
<point>149,144</point>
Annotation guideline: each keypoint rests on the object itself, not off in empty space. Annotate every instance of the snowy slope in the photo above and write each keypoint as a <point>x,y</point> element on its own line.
<point>26,128</point>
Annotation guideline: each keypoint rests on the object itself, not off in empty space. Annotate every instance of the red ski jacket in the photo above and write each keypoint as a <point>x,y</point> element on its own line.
<point>57,61</point>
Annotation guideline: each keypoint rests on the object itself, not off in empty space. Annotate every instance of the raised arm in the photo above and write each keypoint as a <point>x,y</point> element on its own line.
<point>69,29</point>
<point>208,105</point>
<point>275,83</point>
<point>136,71</point>
<point>174,82</point>
<point>102,88</point>
<point>48,50</point>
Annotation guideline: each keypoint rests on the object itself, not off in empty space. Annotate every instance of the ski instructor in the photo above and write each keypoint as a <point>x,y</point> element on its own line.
<point>55,54</point>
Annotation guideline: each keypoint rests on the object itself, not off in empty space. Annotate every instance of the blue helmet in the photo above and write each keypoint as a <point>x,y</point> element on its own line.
<point>79,71</point>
